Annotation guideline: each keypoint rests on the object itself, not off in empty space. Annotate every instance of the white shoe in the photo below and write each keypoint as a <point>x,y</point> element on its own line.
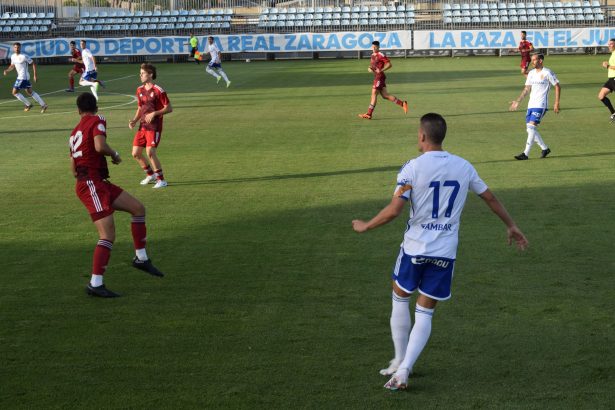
<point>228,84</point>
<point>612,117</point>
<point>160,184</point>
<point>399,381</point>
<point>148,179</point>
<point>393,365</point>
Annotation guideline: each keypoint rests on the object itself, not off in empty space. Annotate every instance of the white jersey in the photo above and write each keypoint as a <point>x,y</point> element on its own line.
<point>214,52</point>
<point>437,184</point>
<point>21,61</point>
<point>88,60</point>
<point>541,82</point>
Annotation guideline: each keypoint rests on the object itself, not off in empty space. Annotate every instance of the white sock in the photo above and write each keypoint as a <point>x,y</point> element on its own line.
<point>223,74</point>
<point>418,336</point>
<point>400,325</point>
<point>94,89</point>
<point>531,132</point>
<point>96,280</point>
<point>212,72</point>
<point>141,254</point>
<point>38,98</point>
<point>86,82</point>
<point>22,98</point>
<point>538,139</point>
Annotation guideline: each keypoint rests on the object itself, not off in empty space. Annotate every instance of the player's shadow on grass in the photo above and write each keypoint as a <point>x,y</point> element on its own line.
<point>286,176</point>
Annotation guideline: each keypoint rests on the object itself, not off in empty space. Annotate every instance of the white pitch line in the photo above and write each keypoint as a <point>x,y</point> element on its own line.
<point>132,97</point>
<point>61,91</point>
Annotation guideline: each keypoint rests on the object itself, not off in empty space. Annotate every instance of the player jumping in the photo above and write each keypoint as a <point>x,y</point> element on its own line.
<point>378,65</point>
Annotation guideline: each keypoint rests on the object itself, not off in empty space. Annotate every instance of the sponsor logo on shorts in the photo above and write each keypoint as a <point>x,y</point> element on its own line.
<point>434,261</point>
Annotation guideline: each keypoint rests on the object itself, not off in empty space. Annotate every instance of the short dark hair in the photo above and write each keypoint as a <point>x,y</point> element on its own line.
<point>212,37</point>
<point>149,68</point>
<point>540,56</point>
<point>376,43</point>
<point>17,43</point>
<point>86,102</point>
<point>523,32</point>
<point>613,39</point>
<point>84,42</point>
<point>72,43</point>
<point>434,127</point>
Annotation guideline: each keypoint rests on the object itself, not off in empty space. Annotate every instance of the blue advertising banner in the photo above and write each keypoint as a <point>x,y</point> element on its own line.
<point>541,38</point>
<point>245,43</point>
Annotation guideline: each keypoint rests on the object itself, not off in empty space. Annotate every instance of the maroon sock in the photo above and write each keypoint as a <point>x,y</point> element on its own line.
<point>370,110</point>
<point>399,102</point>
<point>71,81</point>
<point>148,170</point>
<point>139,231</point>
<point>159,175</point>
<point>102,253</point>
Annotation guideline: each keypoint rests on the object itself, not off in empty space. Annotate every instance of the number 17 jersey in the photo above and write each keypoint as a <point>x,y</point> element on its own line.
<point>436,184</point>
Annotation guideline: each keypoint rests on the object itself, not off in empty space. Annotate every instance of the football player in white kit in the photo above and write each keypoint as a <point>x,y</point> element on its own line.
<point>538,83</point>
<point>436,185</point>
<point>89,77</point>
<point>20,62</point>
<point>215,62</point>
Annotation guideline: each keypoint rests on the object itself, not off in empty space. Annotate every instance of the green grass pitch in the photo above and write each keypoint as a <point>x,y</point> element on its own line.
<point>270,299</point>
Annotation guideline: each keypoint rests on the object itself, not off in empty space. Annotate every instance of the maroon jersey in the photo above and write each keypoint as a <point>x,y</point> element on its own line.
<point>525,47</point>
<point>151,100</point>
<point>378,61</point>
<point>76,53</point>
<point>89,164</point>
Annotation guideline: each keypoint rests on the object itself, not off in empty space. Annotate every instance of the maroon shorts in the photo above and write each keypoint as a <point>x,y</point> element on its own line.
<point>524,64</point>
<point>147,138</point>
<point>77,68</point>
<point>97,195</point>
<point>379,83</point>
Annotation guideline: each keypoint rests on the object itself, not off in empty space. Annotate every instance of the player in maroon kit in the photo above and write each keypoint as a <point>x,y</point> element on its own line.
<point>77,68</point>
<point>88,149</point>
<point>153,103</point>
<point>378,65</point>
<point>525,48</point>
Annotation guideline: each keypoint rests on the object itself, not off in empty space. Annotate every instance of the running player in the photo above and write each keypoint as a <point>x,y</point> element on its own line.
<point>88,149</point>
<point>78,67</point>
<point>20,62</point>
<point>525,48</point>
<point>436,186</point>
<point>609,86</point>
<point>89,76</point>
<point>378,65</point>
<point>538,83</point>
<point>153,104</point>
<point>214,67</point>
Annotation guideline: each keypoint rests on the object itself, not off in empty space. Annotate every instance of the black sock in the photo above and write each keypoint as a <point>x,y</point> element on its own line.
<point>608,104</point>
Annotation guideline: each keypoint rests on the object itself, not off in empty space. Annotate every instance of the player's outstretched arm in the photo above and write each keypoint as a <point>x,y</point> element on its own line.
<point>8,70</point>
<point>101,146</point>
<point>513,232</point>
<point>387,214</point>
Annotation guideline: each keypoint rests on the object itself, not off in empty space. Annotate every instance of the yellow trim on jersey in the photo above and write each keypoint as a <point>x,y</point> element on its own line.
<point>403,189</point>
<point>612,65</point>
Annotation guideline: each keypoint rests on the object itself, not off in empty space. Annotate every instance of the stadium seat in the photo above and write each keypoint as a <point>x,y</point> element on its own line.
<point>504,19</point>
<point>513,19</point>
<point>551,17</point>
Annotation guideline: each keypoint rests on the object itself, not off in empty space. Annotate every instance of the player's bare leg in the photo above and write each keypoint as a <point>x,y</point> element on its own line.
<point>102,253</point>
<point>137,154</point>
<point>372,105</point>
<point>602,96</point>
<point>157,166</point>
<point>393,99</point>
<point>128,203</point>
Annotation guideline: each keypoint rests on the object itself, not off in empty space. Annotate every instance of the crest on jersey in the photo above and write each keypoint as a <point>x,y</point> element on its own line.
<point>101,127</point>
<point>151,95</point>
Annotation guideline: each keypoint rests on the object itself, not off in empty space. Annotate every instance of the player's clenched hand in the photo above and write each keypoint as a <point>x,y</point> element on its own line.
<point>556,108</point>
<point>115,158</point>
<point>150,117</point>
<point>359,226</point>
<point>513,106</point>
<point>605,64</point>
<point>131,124</point>
<point>515,234</point>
